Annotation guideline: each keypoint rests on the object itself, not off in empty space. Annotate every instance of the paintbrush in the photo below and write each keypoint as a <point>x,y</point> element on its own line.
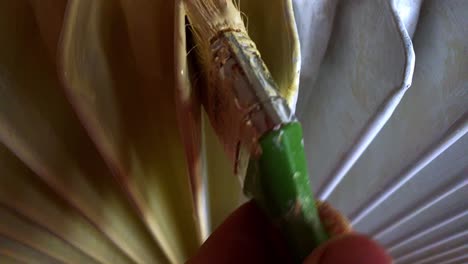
<point>255,125</point>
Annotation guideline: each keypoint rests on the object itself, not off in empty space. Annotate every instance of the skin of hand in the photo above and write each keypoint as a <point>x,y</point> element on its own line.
<point>248,237</point>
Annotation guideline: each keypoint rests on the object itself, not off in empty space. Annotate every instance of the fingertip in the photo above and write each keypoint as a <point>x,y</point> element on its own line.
<point>334,222</point>
<point>350,248</point>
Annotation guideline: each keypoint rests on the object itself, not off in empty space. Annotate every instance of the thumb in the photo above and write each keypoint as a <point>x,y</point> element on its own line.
<point>351,248</point>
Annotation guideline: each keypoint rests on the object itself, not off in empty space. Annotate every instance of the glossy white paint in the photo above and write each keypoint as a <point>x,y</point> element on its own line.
<point>413,173</point>
<point>412,237</point>
<point>414,212</point>
<point>434,244</point>
<point>443,255</point>
<point>453,135</point>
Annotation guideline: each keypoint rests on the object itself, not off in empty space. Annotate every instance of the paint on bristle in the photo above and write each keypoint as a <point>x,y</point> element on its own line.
<point>208,18</point>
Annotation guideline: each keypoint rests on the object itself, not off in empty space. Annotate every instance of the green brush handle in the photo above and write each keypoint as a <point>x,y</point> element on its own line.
<point>280,184</point>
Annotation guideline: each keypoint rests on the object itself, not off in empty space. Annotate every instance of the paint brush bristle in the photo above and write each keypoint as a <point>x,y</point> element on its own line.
<point>209,17</point>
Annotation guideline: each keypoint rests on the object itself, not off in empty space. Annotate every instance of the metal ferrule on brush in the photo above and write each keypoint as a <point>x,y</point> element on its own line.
<point>241,99</point>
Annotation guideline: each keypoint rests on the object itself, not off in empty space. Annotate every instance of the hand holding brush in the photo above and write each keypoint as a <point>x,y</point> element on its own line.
<point>248,237</point>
